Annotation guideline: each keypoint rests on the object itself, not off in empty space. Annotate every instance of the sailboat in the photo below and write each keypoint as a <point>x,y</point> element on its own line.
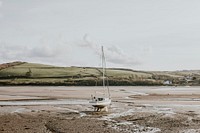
<point>104,100</point>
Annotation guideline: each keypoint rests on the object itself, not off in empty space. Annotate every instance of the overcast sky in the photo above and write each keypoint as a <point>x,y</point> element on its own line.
<point>137,34</point>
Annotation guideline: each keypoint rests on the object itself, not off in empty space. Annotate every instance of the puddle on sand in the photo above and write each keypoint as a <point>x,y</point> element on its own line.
<point>116,115</point>
<point>44,102</point>
<point>21,110</point>
<point>137,93</point>
<point>82,114</point>
<point>184,99</point>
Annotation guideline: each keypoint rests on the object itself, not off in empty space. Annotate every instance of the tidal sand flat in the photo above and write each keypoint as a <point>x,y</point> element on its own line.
<point>67,110</point>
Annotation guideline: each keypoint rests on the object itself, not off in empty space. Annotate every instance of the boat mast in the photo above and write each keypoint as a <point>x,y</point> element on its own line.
<point>103,66</point>
<point>104,71</point>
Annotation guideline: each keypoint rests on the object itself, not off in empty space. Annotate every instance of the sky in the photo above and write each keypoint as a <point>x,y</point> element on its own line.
<point>137,34</point>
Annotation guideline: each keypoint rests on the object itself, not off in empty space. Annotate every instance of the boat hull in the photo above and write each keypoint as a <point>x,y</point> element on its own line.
<point>100,104</point>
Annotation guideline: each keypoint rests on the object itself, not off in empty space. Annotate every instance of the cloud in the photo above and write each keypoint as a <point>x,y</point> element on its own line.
<point>49,47</point>
<point>117,56</point>
<point>44,52</point>
<point>114,54</point>
<point>18,52</point>
<point>10,52</point>
<point>89,43</point>
<point>145,49</point>
<point>115,49</point>
<point>1,3</point>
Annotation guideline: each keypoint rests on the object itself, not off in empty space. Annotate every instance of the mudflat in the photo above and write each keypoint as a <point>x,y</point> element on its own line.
<point>67,110</point>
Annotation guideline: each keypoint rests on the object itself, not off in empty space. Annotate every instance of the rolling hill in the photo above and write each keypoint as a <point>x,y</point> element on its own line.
<point>23,73</point>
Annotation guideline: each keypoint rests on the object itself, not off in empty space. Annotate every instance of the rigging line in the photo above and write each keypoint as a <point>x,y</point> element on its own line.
<point>105,71</point>
<point>103,63</point>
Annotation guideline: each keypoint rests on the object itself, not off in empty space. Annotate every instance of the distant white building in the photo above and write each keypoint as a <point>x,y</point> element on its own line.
<point>167,82</point>
<point>188,78</point>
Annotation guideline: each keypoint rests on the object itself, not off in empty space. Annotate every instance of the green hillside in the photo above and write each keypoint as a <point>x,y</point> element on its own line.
<point>22,73</point>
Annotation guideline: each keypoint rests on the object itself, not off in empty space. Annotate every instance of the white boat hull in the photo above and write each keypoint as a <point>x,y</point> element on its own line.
<point>100,104</point>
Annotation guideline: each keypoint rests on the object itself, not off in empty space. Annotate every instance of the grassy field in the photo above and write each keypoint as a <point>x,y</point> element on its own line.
<point>22,73</point>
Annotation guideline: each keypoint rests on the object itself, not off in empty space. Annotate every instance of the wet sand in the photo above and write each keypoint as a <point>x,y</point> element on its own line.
<point>66,110</point>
